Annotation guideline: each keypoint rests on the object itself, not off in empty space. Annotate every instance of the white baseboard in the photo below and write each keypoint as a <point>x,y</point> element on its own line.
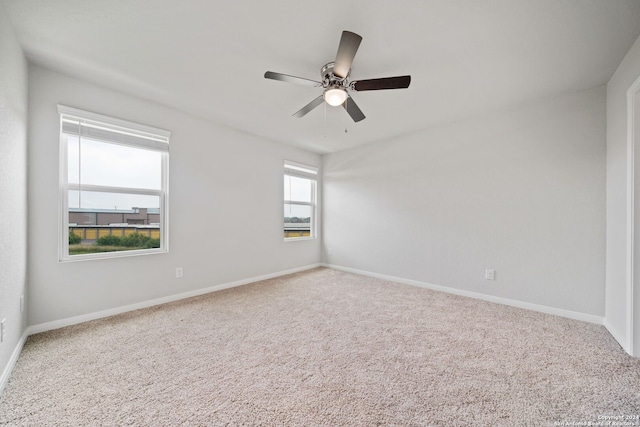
<point>56,324</point>
<point>6,373</point>
<point>622,339</point>
<point>599,320</point>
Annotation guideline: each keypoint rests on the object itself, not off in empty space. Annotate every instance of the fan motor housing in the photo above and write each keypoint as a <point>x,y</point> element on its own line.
<point>330,79</point>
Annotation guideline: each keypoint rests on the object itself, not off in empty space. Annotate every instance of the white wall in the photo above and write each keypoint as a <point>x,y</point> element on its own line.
<point>519,191</point>
<point>13,190</point>
<point>227,183</point>
<point>617,317</point>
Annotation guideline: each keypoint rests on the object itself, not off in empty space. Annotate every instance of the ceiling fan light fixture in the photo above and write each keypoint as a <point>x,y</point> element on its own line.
<point>335,95</point>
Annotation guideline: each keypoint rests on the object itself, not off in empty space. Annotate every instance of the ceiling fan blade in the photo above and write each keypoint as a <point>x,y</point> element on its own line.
<point>349,43</point>
<point>353,110</point>
<point>399,82</point>
<point>291,79</point>
<point>310,106</point>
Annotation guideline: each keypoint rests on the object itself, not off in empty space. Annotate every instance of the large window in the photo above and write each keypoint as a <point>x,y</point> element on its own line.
<point>300,182</point>
<point>113,186</point>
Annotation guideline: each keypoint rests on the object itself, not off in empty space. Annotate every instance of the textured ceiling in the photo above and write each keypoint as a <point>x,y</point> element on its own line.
<point>208,58</point>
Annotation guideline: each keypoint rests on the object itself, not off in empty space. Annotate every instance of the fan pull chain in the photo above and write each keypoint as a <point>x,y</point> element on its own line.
<point>345,119</point>
<point>325,120</point>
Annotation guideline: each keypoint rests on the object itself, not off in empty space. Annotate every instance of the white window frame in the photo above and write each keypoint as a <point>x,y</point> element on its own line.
<point>129,134</point>
<point>307,172</point>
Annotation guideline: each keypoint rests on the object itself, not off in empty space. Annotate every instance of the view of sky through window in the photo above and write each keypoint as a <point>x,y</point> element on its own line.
<point>99,163</point>
<point>298,190</point>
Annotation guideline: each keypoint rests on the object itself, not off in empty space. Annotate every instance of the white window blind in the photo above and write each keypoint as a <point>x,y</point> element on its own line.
<point>299,170</point>
<point>95,126</point>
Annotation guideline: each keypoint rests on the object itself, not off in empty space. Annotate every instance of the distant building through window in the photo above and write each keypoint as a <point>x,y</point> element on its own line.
<point>300,184</point>
<point>113,184</point>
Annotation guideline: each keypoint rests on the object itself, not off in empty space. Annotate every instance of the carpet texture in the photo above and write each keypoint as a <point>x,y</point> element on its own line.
<point>324,348</point>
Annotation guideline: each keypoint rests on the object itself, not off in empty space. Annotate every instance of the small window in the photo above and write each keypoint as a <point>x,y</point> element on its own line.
<point>300,183</point>
<point>113,186</point>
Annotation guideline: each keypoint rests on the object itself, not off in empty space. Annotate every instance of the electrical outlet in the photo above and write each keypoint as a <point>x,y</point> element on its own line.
<point>490,274</point>
<point>179,272</point>
<point>2,330</point>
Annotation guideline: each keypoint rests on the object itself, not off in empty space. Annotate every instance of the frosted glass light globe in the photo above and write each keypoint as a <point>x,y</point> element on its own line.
<point>335,96</point>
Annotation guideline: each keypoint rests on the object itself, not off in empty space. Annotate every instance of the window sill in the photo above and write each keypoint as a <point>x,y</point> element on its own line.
<point>297,239</point>
<point>109,255</point>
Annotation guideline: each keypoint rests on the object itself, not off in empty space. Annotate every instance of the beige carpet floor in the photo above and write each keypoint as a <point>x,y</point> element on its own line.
<point>324,348</point>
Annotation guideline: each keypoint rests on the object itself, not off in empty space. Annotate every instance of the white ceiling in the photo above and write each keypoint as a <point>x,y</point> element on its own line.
<point>208,57</point>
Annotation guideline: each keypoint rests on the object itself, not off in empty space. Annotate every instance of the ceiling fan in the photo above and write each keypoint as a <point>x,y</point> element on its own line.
<point>335,80</point>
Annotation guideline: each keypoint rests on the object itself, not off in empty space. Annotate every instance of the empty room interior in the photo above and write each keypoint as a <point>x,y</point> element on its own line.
<point>458,187</point>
